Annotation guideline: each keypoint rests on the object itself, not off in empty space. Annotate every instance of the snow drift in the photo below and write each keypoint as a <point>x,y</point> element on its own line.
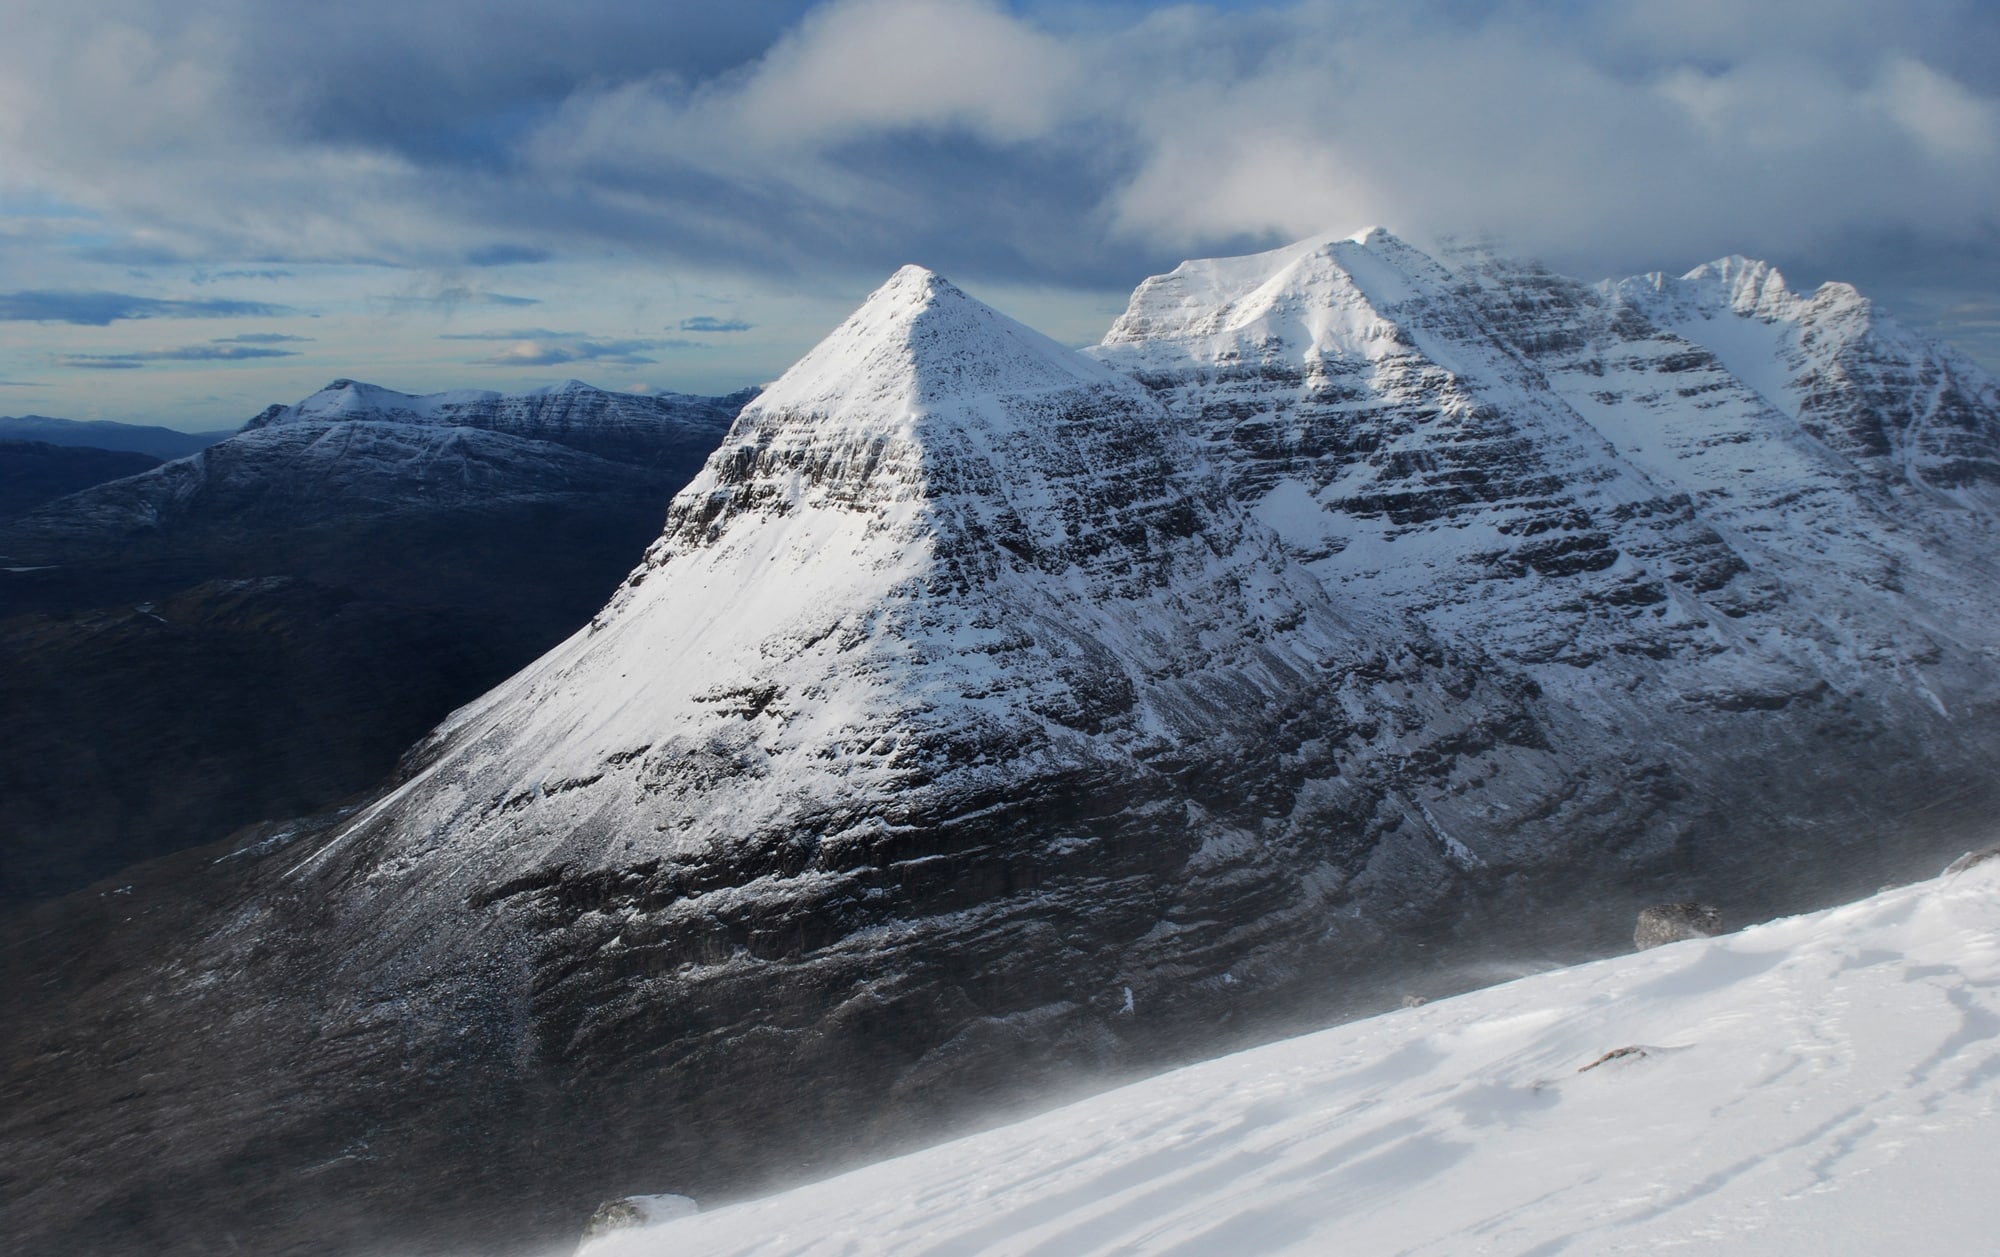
<point>1820,1084</point>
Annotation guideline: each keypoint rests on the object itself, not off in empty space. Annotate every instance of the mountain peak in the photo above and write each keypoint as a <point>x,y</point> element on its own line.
<point>920,339</point>
<point>1728,285</point>
<point>1325,294</point>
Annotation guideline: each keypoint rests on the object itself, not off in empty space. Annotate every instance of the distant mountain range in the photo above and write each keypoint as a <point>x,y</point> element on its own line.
<point>105,435</point>
<point>260,628</point>
<point>989,717</point>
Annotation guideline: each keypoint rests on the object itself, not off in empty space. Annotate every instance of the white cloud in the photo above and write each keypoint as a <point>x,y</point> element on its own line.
<point>1949,121</point>
<point>978,135</point>
<point>863,66</point>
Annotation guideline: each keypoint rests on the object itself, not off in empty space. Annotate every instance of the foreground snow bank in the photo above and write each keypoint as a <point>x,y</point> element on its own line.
<point>1821,1084</point>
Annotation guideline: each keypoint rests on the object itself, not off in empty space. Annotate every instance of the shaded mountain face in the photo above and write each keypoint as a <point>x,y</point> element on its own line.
<point>34,472</point>
<point>260,629</point>
<point>990,716</point>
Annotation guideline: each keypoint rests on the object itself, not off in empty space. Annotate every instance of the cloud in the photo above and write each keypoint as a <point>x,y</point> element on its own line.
<point>451,296</point>
<point>519,333</point>
<point>1046,142</point>
<point>138,255</point>
<point>216,277</point>
<point>709,323</point>
<point>542,347</point>
<point>506,255</point>
<point>98,309</point>
<point>554,349</point>
<point>213,352</point>
<point>259,338</point>
<point>86,362</point>
<point>969,136</point>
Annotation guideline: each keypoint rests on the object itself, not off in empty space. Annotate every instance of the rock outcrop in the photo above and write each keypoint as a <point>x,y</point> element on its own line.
<point>1673,922</point>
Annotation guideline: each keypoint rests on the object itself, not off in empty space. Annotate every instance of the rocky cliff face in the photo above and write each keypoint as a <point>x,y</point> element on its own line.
<point>1637,495</point>
<point>988,716</point>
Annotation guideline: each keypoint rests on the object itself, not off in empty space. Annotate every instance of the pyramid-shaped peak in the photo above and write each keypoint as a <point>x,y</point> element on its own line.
<point>920,339</point>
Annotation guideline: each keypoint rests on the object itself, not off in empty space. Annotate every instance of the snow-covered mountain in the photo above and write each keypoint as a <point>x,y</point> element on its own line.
<point>1570,482</point>
<point>990,716</point>
<point>1824,1083</point>
<point>647,429</point>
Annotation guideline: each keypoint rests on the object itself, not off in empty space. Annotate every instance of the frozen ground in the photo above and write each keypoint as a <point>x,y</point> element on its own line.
<point>1824,1084</point>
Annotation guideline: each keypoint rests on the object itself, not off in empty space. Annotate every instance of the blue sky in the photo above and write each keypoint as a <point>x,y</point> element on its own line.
<point>210,205</point>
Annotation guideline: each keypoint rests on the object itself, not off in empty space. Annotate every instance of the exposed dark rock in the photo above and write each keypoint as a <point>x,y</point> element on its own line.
<point>1971,859</point>
<point>1615,1054</point>
<point>627,1212</point>
<point>1673,922</point>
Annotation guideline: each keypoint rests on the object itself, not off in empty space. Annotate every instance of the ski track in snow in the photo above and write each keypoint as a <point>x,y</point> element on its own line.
<point>1822,1084</point>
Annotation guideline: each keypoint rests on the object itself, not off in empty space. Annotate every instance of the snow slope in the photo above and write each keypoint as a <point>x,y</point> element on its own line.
<point>1820,1084</point>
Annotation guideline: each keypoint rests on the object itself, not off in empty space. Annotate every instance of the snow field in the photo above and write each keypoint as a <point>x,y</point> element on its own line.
<point>1823,1084</point>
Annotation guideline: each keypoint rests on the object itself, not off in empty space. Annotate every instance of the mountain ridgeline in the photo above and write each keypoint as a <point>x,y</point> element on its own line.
<point>991,717</point>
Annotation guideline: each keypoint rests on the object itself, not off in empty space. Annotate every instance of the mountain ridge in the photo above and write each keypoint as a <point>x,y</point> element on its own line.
<point>986,717</point>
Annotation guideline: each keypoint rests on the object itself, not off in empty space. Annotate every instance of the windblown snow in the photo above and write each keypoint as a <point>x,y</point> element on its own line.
<point>1820,1084</point>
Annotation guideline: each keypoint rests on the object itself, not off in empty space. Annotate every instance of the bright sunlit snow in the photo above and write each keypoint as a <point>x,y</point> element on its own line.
<point>1824,1084</point>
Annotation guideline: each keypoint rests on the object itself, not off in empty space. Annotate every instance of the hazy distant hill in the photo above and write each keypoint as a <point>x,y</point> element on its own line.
<point>105,435</point>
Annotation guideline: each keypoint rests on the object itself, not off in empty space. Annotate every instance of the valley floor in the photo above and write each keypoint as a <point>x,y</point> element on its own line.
<point>1825,1084</point>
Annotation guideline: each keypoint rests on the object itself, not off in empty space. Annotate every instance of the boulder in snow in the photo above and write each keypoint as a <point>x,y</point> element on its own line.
<point>1672,922</point>
<point>628,1212</point>
<point>1971,858</point>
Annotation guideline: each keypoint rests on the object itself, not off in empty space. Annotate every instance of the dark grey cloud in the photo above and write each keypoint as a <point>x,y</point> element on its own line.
<point>99,309</point>
<point>709,323</point>
<point>506,255</point>
<point>451,84</point>
<point>185,353</point>
<point>216,277</point>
